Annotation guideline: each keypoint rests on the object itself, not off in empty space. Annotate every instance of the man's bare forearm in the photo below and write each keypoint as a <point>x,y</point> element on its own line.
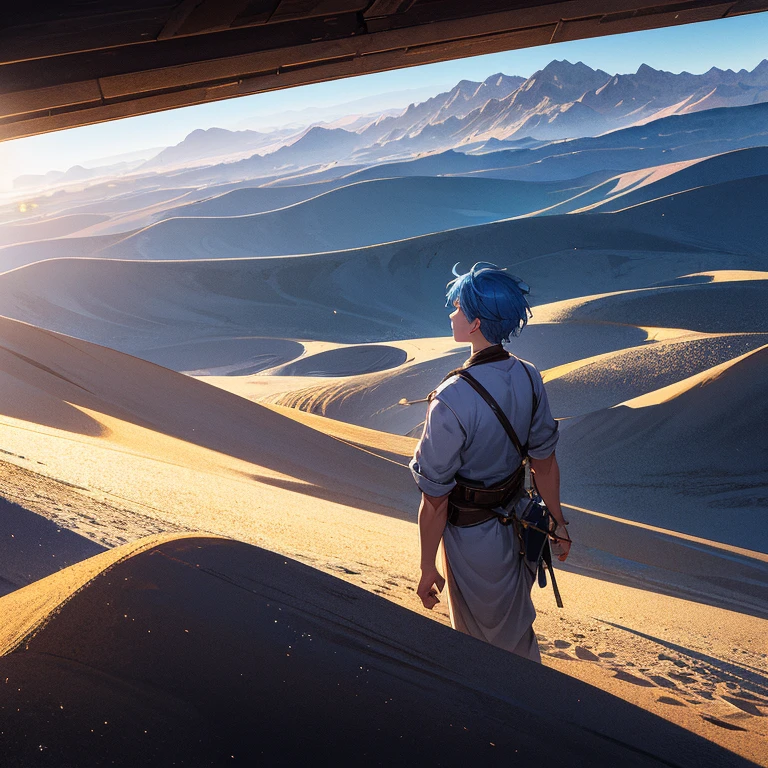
<point>546,474</point>
<point>433,515</point>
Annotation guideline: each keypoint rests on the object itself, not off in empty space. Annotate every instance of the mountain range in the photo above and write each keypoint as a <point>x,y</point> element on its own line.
<point>560,101</point>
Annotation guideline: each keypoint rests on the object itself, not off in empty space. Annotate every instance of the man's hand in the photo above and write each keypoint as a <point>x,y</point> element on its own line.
<point>430,584</point>
<point>560,545</point>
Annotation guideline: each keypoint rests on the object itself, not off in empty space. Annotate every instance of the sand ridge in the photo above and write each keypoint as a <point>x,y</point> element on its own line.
<point>336,644</point>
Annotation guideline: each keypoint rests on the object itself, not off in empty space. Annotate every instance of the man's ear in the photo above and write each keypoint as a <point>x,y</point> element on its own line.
<point>475,325</point>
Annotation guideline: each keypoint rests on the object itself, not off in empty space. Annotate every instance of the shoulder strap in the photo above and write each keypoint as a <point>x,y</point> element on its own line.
<point>500,415</point>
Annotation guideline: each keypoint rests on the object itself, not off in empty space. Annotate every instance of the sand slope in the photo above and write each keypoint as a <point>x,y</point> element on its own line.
<point>43,229</point>
<point>650,183</point>
<point>726,306</point>
<point>373,400</point>
<point>130,657</point>
<point>351,216</point>
<point>105,396</point>
<point>730,166</point>
<point>376,293</point>
<point>689,456</point>
<point>605,380</point>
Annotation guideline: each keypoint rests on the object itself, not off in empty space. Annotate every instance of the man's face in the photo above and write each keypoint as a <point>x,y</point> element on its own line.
<point>460,325</point>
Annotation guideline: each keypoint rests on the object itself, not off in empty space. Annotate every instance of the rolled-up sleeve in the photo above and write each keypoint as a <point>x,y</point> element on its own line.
<point>437,457</point>
<point>544,433</point>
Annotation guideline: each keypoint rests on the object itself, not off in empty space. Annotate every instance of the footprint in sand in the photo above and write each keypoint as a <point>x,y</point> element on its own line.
<point>662,681</point>
<point>585,654</point>
<point>744,706</point>
<point>722,723</point>
<point>344,569</point>
<point>627,678</point>
<point>670,700</point>
<point>607,655</point>
<point>562,644</point>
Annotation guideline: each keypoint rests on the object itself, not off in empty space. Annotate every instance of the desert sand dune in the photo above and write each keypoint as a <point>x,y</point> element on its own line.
<point>600,382</point>
<point>44,229</point>
<point>721,215</point>
<point>215,356</point>
<point>352,216</point>
<point>21,254</point>
<point>33,547</point>
<point>699,445</point>
<point>517,197</point>
<point>712,307</point>
<point>149,208</point>
<point>373,400</point>
<point>678,222</point>
<point>103,396</point>
<point>730,166</point>
<point>349,361</point>
<point>248,200</point>
<point>134,306</point>
<point>175,452</point>
<point>303,673</point>
<point>134,200</point>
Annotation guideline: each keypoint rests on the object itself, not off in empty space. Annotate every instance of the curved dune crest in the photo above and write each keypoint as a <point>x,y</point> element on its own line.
<point>353,216</point>
<point>43,229</point>
<point>725,306</point>
<point>229,356</point>
<point>637,187</point>
<point>155,412</point>
<point>600,382</point>
<point>163,647</point>
<point>346,361</point>
<point>699,444</point>
<point>374,401</point>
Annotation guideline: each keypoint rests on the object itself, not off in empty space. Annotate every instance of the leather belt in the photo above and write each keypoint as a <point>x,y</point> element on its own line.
<point>471,503</point>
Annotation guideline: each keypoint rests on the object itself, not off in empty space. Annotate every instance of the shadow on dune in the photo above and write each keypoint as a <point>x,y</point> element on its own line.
<point>656,560</point>
<point>56,369</point>
<point>350,361</point>
<point>205,651</point>
<point>32,547</point>
<point>328,493</point>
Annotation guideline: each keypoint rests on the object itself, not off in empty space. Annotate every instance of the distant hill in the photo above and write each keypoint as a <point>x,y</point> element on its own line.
<point>202,145</point>
<point>354,215</point>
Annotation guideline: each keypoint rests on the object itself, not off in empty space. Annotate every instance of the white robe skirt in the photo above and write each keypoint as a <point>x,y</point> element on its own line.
<point>489,586</point>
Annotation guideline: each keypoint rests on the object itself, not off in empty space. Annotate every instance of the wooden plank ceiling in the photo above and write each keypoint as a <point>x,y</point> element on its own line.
<point>76,62</point>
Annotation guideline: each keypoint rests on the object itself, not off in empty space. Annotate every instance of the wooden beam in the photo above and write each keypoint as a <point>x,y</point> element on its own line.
<point>346,50</point>
<point>194,17</point>
<point>275,80</point>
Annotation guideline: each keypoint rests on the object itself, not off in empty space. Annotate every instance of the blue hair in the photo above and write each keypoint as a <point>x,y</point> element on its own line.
<point>493,295</point>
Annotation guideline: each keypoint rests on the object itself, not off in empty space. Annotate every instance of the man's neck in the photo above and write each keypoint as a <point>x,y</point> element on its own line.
<point>480,344</point>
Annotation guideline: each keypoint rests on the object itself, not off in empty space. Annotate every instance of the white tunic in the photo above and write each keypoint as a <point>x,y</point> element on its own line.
<point>488,585</point>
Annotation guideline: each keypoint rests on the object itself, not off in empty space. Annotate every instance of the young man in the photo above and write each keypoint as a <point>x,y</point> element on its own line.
<point>488,583</point>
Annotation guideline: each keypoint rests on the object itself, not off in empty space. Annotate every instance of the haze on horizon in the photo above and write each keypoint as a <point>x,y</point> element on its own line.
<point>737,43</point>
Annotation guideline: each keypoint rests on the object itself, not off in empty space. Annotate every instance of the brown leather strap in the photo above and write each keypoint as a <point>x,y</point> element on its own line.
<point>500,415</point>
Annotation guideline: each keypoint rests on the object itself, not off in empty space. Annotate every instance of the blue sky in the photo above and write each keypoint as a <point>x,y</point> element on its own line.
<point>736,43</point>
